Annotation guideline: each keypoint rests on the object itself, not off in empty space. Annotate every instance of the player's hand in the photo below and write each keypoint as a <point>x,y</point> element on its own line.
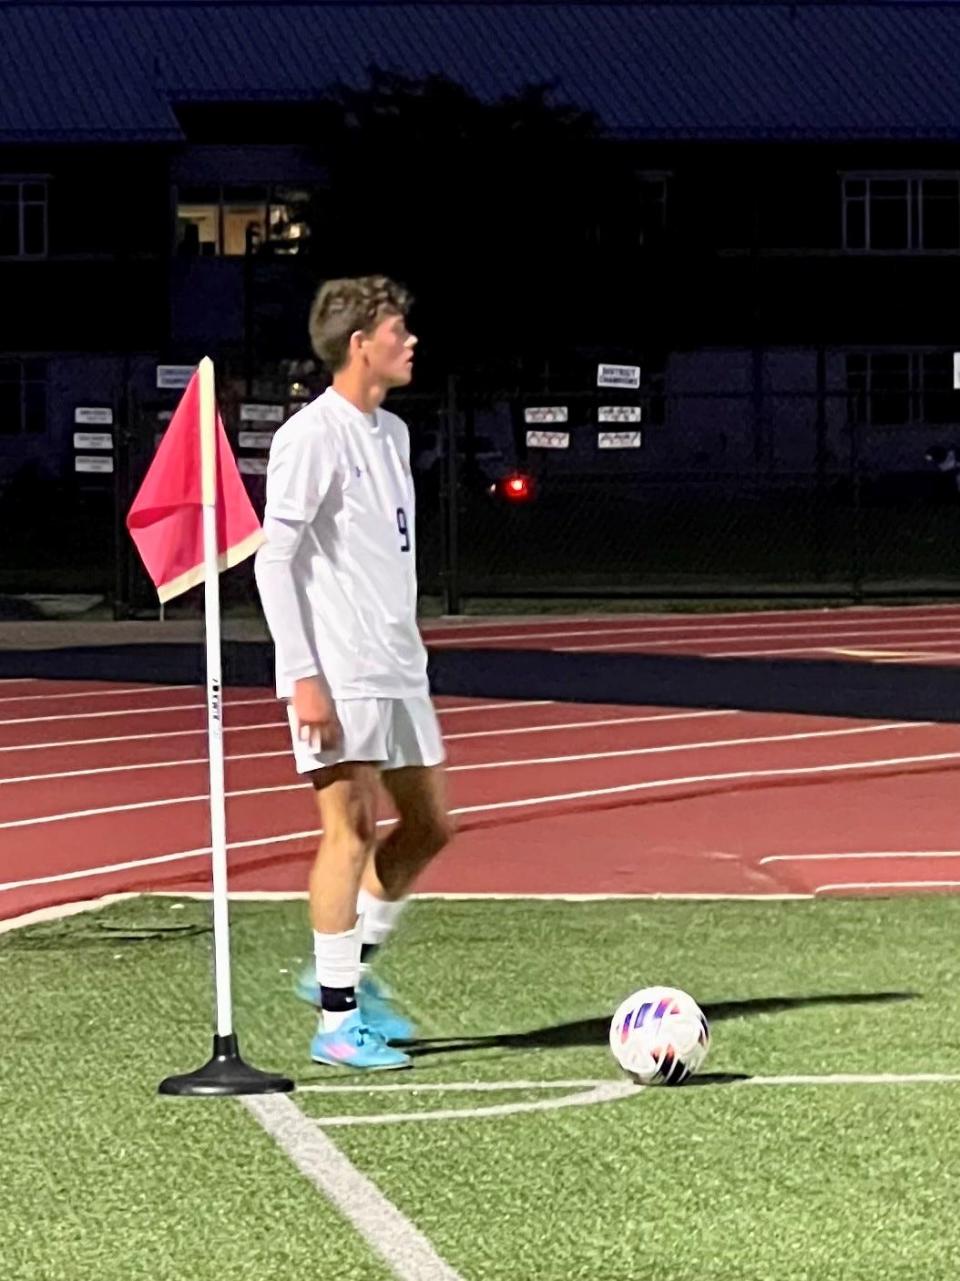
<point>316,714</point>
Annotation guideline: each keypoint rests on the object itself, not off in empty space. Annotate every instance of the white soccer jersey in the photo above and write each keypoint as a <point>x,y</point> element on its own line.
<point>337,574</point>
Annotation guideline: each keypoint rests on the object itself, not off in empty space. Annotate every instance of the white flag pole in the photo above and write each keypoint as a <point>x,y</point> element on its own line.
<point>211,612</point>
<point>226,1073</point>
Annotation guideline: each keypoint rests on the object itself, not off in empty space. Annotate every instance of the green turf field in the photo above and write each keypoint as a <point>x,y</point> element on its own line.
<point>719,1181</point>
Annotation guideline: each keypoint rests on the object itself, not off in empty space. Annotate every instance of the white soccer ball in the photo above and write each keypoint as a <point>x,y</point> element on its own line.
<point>659,1036</point>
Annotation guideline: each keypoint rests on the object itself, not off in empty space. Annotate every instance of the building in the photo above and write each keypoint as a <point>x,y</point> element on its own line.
<point>796,215</point>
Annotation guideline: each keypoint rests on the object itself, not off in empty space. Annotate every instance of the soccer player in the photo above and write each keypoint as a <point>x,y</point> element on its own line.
<point>337,580</point>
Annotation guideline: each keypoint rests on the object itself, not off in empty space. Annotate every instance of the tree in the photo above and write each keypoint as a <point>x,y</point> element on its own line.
<point>491,212</point>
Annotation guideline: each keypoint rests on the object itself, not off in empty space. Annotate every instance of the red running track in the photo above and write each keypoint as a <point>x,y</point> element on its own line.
<point>901,634</point>
<point>103,790</point>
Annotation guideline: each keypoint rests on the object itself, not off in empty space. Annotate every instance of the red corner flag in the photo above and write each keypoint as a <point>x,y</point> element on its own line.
<point>166,518</point>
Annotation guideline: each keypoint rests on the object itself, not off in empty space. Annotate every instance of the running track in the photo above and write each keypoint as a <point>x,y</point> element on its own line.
<point>103,787</point>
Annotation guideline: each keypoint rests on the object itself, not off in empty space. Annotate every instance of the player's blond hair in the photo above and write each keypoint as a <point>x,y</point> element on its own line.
<point>342,307</point>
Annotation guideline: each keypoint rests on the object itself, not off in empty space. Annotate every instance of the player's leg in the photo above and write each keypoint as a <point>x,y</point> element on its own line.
<point>424,828</point>
<point>346,798</point>
<point>414,778</point>
<point>419,794</point>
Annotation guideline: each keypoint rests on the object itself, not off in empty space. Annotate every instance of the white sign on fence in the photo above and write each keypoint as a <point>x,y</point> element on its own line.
<point>252,466</point>
<point>255,439</point>
<point>619,440</point>
<point>262,413</point>
<point>174,376</point>
<point>93,463</point>
<point>619,414</point>
<point>618,375</point>
<point>956,371</point>
<point>546,414</point>
<point>93,440</point>
<point>91,416</point>
<point>548,440</point>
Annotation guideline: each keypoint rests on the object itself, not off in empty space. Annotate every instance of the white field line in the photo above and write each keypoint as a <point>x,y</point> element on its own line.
<point>517,763</point>
<point>698,628</point>
<point>97,693</point>
<point>246,756</point>
<point>390,1234</point>
<point>597,1092</point>
<point>903,635</point>
<point>56,911</point>
<point>839,886</point>
<point>588,1092</point>
<point>525,803</point>
<point>501,1087</point>
<point>858,854</point>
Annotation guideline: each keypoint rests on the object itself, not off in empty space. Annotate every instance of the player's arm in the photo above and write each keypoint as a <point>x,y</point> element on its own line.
<point>295,488</point>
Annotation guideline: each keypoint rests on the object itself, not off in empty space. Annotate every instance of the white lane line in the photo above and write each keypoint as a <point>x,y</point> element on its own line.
<point>611,720</point>
<point>138,738</point>
<point>874,655</point>
<point>886,885</point>
<point>134,711</point>
<point>245,756</point>
<point>518,763</point>
<point>702,746</point>
<point>181,707</point>
<point>129,865</point>
<point>496,707</point>
<point>390,1234</point>
<point>905,635</point>
<point>524,803</point>
<point>97,693</point>
<point>145,765</point>
<point>698,629</point>
<point>848,855</point>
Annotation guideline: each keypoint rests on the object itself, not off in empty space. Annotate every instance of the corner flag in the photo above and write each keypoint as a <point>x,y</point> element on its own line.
<point>165,520</point>
<point>190,520</point>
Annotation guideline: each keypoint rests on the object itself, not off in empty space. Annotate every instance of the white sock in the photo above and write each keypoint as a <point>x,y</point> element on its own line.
<point>338,965</point>
<point>378,916</point>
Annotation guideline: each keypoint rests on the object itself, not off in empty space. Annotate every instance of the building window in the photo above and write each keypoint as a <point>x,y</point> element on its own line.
<point>233,221</point>
<point>23,218</point>
<point>23,397</point>
<point>901,389</point>
<point>901,213</point>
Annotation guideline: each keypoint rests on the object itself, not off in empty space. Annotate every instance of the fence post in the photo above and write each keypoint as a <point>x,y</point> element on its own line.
<point>121,486</point>
<point>450,493</point>
<point>856,463</point>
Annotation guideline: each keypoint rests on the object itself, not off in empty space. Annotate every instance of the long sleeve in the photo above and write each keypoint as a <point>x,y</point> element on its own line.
<point>274,570</point>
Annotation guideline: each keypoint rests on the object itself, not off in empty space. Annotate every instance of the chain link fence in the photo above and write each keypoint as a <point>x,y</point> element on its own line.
<point>571,492</point>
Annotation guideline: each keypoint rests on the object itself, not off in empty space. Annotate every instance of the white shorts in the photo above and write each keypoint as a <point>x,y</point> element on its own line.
<point>390,732</point>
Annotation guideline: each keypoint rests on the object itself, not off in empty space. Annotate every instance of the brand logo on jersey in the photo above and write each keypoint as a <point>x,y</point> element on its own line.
<point>359,471</point>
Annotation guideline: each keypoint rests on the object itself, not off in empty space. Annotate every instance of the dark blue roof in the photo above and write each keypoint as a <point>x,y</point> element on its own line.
<point>87,71</point>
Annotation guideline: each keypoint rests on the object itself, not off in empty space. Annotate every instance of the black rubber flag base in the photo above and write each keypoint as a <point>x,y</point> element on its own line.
<point>225,1074</point>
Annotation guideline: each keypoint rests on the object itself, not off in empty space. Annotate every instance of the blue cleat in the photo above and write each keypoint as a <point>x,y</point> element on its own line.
<point>354,1045</point>
<point>376,1007</point>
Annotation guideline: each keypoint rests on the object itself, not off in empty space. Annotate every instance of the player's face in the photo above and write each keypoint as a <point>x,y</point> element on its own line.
<point>389,352</point>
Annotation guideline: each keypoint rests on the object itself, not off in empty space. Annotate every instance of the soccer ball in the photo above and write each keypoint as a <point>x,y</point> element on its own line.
<point>659,1036</point>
